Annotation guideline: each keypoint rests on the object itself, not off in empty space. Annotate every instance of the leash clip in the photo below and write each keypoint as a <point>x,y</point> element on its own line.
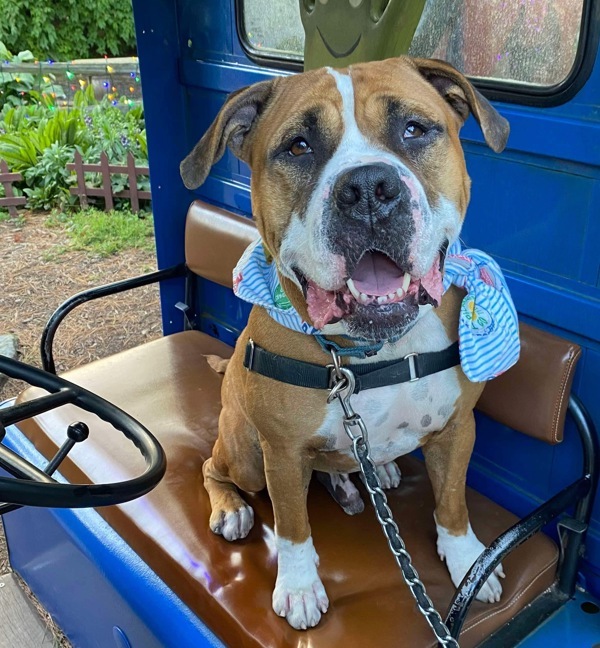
<point>412,366</point>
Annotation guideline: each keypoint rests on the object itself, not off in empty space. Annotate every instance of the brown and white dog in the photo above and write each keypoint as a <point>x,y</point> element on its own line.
<point>358,183</point>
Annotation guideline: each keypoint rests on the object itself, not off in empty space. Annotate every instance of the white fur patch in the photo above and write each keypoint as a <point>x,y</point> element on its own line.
<point>299,595</point>
<point>460,553</point>
<point>399,416</point>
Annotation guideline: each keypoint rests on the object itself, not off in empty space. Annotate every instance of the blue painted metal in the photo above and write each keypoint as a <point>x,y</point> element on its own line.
<point>535,207</point>
<point>93,584</point>
<point>570,626</point>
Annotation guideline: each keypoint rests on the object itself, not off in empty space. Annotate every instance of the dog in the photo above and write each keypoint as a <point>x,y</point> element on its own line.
<point>358,184</point>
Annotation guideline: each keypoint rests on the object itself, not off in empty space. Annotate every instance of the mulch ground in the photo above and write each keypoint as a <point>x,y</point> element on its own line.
<point>34,280</point>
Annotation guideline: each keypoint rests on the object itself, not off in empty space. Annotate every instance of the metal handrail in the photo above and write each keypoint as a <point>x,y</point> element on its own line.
<point>580,493</point>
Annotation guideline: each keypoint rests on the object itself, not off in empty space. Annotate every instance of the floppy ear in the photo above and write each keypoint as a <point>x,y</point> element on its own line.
<point>464,98</point>
<point>231,127</point>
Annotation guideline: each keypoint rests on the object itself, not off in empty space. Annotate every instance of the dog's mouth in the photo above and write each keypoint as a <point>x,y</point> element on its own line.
<point>377,288</point>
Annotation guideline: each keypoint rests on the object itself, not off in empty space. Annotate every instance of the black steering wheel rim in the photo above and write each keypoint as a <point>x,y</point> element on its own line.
<point>35,488</point>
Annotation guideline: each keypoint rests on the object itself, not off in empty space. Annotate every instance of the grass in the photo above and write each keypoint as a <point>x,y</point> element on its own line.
<point>104,233</point>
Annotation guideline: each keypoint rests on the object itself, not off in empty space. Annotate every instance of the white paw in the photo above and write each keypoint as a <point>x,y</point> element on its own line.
<point>299,595</point>
<point>460,552</point>
<point>232,525</point>
<point>389,475</point>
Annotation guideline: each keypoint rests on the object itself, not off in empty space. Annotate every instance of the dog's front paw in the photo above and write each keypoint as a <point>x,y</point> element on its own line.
<point>460,552</point>
<point>299,595</point>
<point>232,523</point>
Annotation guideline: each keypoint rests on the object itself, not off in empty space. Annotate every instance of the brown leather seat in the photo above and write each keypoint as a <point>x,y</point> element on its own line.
<point>172,390</point>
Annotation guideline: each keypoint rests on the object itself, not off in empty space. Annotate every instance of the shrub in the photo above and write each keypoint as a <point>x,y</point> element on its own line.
<point>68,29</point>
<point>49,178</point>
<point>39,140</point>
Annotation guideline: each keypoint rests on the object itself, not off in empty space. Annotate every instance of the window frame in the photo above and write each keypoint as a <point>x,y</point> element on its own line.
<point>493,89</point>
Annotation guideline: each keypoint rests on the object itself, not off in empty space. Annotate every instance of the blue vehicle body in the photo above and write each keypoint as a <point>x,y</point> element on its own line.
<point>535,208</point>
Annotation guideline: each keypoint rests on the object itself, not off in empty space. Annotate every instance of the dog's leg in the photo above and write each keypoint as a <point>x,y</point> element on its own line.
<point>447,456</point>
<point>299,595</point>
<point>231,517</point>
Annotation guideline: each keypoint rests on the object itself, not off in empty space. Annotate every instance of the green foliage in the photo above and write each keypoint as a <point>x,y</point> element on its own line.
<point>49,178</point>
<point>39,140</point>
<point>106,233</point>
<point>18,88</point>
<point>27,131</point>
<point>68,29</point>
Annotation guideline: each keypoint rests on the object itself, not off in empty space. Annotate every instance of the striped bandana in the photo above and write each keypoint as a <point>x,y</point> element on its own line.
<point>488,329</point>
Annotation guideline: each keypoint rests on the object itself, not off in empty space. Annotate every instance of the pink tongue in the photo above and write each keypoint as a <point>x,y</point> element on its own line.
<point>376,274</point>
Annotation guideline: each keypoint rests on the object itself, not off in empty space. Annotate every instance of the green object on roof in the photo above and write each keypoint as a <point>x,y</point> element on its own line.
<point>341,32</point>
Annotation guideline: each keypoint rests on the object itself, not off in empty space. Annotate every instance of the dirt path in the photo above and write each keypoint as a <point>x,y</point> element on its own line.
<point>34,280</point>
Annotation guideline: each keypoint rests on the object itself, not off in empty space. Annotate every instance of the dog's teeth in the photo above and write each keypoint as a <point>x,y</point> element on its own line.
<point>355,292</point>
<point>382,300</point>
<point>400,293</point>
<point>406,281</point>
<point>391,295</point>
<point>363,298</point>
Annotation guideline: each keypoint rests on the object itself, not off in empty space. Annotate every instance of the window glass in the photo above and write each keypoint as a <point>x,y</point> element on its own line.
<point>273,27</point>
<point>526,41</point>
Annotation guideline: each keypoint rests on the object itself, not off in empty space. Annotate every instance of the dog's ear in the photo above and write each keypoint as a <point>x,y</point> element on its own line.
<point>464,98</point>
<point>231,127</point>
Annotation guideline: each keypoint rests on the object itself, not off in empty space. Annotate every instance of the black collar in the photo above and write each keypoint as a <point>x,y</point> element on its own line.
<point>368,376</point>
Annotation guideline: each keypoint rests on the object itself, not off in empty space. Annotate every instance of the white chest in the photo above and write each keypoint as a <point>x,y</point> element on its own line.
<point>397,417</point>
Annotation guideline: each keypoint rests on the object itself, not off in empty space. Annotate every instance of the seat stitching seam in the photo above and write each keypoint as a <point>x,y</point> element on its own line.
<point>512,601</point>
<point>560,399</point>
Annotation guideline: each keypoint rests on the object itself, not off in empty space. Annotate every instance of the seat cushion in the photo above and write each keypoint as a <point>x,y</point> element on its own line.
<point>169,386</point>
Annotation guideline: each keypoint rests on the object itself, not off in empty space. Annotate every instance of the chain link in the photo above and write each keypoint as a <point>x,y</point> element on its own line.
<point>343,383</point>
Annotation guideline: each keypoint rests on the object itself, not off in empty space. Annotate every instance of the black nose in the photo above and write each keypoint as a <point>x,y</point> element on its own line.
<point>368,191</point>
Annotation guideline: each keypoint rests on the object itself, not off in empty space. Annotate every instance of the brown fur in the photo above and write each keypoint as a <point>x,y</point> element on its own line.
<point>267,429</point>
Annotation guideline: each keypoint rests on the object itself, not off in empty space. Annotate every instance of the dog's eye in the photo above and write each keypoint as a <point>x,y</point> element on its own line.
<point>299,147</point>
<point>413,130</point>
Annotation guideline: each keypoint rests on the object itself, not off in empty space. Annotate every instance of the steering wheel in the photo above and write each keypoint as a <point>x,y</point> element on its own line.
<point>34,487</point>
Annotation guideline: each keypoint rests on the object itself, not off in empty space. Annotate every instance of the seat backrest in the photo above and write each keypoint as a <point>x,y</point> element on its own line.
<point>533,395</point>
<point>215,239</point>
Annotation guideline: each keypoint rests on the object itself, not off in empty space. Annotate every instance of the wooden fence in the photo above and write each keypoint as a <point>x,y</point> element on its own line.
<point>105,191</point>
<point>6,180</point>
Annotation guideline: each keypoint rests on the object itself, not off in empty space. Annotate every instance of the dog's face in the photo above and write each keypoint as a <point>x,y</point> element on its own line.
<point>358,184</point>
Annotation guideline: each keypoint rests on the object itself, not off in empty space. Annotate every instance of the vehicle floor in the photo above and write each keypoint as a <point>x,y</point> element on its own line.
<point>575,625</point>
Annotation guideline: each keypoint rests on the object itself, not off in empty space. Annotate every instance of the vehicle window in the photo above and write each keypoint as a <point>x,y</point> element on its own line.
<point>274,28</point>
<point>530,42</point>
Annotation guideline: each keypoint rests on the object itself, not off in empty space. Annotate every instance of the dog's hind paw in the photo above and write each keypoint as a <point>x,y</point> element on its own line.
<point>389,475</point>
<point>232,525</point>
<point>343,491</point>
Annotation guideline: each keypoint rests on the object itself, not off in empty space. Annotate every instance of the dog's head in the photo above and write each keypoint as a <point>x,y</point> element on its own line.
<point>358,184</point>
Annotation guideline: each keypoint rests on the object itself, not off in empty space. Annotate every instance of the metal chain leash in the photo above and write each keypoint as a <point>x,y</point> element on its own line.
<point>342,388</point>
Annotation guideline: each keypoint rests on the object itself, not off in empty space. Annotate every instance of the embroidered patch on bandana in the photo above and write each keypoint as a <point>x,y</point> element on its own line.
<point>488,330</point>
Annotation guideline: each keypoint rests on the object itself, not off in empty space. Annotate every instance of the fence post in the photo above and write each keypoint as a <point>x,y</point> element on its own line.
<point>106,183</point>
<point>6,179</point>
<point>133,190</point>
<point>81,188</point>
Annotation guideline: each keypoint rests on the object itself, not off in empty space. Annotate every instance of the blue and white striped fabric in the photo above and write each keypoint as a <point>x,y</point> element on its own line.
<point>488,325</point>
<point>255,280</point>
